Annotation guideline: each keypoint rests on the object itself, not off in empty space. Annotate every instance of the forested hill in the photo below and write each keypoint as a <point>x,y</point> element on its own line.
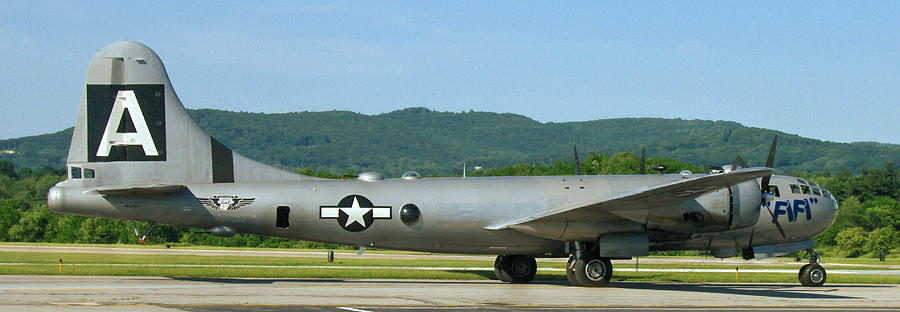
<point>438,142</point>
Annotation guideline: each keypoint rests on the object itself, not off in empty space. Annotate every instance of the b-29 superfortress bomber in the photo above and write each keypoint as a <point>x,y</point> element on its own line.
<point>137,155</point>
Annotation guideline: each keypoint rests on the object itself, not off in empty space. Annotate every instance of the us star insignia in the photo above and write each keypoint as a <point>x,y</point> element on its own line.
<point>355,213</point>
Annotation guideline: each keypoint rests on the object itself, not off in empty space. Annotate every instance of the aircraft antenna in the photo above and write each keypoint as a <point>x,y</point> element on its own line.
<point>577,161</point>
<point>643,168</point>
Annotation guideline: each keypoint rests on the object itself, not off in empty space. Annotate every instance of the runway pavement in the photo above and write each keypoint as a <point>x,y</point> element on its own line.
<point>445,268</point>
<point>80,293</point>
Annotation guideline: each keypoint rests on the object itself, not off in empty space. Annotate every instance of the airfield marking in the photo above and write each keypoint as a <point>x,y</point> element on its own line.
<point>517,307</point>
<point>631,308</point>
<point>89,304</point>
<point>59,289</point>
<point>626,269</point>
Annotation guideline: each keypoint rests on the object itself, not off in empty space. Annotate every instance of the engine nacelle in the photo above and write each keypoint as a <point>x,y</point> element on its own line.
<point>746,202</point>
<point>732,207</point>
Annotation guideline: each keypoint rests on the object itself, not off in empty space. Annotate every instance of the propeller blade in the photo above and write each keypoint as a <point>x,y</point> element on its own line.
<point>770,163</point>
<point>577,161</point>
<point>643,169</point>
<point>740,161</point>
<point>777,225</point>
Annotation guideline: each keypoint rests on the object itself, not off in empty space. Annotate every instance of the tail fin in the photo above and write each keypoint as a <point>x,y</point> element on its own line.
<point>133,130</point>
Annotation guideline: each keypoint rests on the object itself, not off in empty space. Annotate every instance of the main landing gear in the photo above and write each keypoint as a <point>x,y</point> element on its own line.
<point>585,268</point>
<point>812,274</point>
<point>515,269</point>
<point>588,269</point>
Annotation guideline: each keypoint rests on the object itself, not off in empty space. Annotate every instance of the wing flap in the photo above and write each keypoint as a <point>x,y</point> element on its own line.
<point>667,192</point>
<point>144,189</point>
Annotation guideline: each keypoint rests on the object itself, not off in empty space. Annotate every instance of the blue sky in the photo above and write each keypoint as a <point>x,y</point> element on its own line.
<point>825,70</point>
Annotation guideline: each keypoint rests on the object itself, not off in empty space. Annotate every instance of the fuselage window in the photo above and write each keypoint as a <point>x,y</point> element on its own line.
<point>774,190</point>
<point>795,189</point>
<point>805,189</point>
<point>89,173</point>
<point>816,191</point>
<point>76,173</point>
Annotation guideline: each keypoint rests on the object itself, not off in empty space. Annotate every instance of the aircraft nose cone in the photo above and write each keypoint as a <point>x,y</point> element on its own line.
<point>55,199</point>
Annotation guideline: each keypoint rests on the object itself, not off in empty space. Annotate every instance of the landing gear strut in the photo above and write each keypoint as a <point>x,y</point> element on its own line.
<point>142,239</point>
<point>588,269</point>
<point>812,274</point>
<point>515,269</point>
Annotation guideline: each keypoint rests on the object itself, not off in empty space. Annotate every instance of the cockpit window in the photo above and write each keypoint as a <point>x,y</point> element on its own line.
<point>805,189</point>
<point>75,172</point>
<point>802,181</point>
<point>816,191</point>
<point>795,189</point>
<point>774,190</point>
<point>88,173</point>
<point>828,194</point>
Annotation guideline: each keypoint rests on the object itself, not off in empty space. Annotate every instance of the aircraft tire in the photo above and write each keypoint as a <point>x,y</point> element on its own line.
<point>593,272</point>
<point>813,275</point>
<point>800,273</point>
<point>500,265</point>
<point>570,271</point>
<point>521,269</point>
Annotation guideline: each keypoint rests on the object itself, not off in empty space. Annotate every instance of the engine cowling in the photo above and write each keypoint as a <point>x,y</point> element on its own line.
<point>732,207</point>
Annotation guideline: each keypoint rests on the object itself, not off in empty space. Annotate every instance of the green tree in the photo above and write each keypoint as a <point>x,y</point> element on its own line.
<point>34,226</point>
<point>882,240</point>
<point>7,169</point>
<point>851,241</point>
<point>9,216</point>
<point>880,212</point>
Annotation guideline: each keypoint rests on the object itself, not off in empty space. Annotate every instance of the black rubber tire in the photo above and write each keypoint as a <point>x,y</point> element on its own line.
<point>500,265</point>
<point>593,272</point>
<point>570,271</point>
<point>521,269</point>
<point>800,273</point>
<point>813,275</point>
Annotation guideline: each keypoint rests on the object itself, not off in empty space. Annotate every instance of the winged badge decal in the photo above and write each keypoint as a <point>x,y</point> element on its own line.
<point>225,202</point>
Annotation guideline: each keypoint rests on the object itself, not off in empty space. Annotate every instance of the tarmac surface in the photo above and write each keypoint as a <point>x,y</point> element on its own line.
<point>134,294</point>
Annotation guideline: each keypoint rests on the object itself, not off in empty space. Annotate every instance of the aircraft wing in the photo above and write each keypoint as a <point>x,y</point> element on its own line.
<point>647,196</point>
<point>144,189</point>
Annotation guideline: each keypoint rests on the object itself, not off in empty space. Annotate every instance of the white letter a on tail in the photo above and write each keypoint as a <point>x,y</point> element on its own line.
<point>126,101</point>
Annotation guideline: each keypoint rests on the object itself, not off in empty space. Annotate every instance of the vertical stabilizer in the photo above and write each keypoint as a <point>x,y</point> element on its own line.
<point>133,130</point>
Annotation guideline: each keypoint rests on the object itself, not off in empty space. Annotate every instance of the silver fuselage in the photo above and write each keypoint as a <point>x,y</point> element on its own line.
<point>455,212</point>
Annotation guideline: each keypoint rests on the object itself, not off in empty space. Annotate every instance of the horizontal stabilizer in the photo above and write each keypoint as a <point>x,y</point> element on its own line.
<point>147,189</point>
<point>650,195</point>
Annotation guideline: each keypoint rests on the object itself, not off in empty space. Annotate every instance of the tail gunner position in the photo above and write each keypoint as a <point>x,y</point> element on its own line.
<point>136,154</point>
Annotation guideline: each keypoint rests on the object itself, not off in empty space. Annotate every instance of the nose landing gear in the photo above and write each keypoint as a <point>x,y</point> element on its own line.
<point>812,274</point>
